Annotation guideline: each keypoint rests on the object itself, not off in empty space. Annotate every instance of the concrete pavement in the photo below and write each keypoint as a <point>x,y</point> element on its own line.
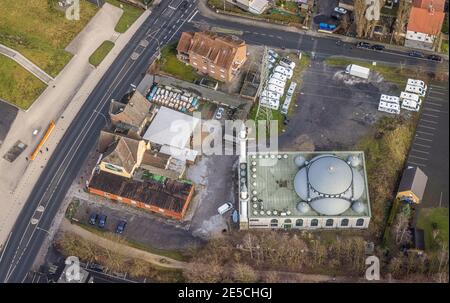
<point>25,63</point>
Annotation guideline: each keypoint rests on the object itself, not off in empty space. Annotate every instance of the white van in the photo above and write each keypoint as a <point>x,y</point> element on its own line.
<point>415,82</point>
<point>224,208</point>
<point>415,89</point>
<point>392,99</point>
<point>274,88</point>
<point>283,70</point>
<point>277,82</point>
<point>271,95</point>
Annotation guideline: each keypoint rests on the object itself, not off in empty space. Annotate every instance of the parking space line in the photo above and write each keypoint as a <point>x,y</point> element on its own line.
<point>435,104</point>
<point>438,92</point>
<point>428,121</point>
<point>419,151</point>
<point>421,158</point>
<point>440,99</point>
<point>439,87</point>
<point>414,163</point>
<point>433,110</point>
<point>424,126</point>
<point>430,115</point>
<point>425,133</point>
<point>420,138</point>
<point>423,145</point>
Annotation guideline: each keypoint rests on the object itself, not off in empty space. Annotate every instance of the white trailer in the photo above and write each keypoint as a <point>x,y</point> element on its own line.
<point>415,89</point>
<point>291,88</point>
<point>269,103</point>
<point>277,82</point>
<point>416,82</point>
<point>279,76</point>
<point>274,88</point>
<point>283,70</point>
<point>389,107</point>
<point>358,71</point>
<point>410,96</point>
<point>392,99</point>
<point>271,95</point>
<point>410,105</point>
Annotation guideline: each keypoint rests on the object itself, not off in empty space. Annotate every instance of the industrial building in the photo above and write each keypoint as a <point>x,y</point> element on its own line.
<point>303,190</point>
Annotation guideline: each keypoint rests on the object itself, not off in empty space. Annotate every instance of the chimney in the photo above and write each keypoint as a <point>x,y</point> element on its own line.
<point>431,8</point>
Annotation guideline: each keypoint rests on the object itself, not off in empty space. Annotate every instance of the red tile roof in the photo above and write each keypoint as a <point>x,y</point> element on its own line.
<point>422,21</point>
<point>438,5</point>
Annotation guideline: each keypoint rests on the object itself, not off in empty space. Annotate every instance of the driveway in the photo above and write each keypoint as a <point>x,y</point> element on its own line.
<point>429,150</point>
<point>333,113</point>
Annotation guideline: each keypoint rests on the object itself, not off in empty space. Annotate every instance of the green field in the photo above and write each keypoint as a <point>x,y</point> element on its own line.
<point>170,64</point>
<point>100,53</point>
<point>434,218</point>
<point>130,14</point>
<point>40,31</point>
<point>18,86</point>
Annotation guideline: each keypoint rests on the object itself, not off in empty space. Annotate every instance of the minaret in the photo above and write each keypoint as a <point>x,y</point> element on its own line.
<point>243,179</point>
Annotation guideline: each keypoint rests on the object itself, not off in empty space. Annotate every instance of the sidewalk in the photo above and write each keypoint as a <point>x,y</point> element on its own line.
<point>25,63</point>
<point>208,12</point>
<point>61,103</point>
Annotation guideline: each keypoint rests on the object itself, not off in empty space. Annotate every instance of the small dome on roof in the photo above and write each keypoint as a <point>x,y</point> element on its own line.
<point>303,207</point>
<point>354,160</point>
<point>358,207</point>
<point>299,161</point>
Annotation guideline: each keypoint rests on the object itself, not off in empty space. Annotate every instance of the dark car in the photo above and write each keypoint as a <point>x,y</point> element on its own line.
<point>435,58</point>
<point>93,219</point>
<point>336,16</point>
<point>286,121</point>
<point>377,47</point>
<point>415,54</point>
<point>120,227</point>
<point>363,45</point>
<point>102,221</point>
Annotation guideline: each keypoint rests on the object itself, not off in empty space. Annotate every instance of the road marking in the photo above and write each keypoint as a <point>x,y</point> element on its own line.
<point>434,110</point>
<point>419,151</point>
<point>439,87</point>
<point>419,138</point>
<point>435,104</point>
<point>422,145</point>
<point>436,98</point>
<point>430,115</point>
<point>437,92</point>
<point>428,121</point>
<point>421,158</point>
<point>429,127</point>
<point>414,163</point>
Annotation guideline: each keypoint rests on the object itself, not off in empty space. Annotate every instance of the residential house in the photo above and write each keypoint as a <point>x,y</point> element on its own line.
<point>219,57</point>
<point>253,6</point>
<point>425,24</point>
<point>412,185</point>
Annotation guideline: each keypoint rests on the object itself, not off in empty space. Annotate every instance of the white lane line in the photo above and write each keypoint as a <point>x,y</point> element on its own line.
<point>419,151</point>
<point>425,133</point>
<point>439,87</point>
<point>433,110</point>
<point>430,115</point>
<point>418,164</point>
<point>435,104</point>
<point>421,158</point>
<point>190,19</point>
<point>422,145</point>
<point>424,126</point>
<point>440,99</point>
<point>438,92</point>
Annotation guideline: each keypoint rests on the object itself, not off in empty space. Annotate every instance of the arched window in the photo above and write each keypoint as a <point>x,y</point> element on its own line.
<point>329,222</point>
<point>344,222</point>
<point>287,221</point>
<point>360,222</point>
<point>314,222</point>
<point>274,223</point>
<point>299,222</point>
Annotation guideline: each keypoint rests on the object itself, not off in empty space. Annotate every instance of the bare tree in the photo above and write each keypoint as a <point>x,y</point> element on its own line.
<point>244,273</point>
<point>359,10</point>
<point>404,8</point>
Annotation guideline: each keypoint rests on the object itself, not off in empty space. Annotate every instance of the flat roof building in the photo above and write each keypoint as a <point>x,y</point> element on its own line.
<point>412,185</point>
<point>303,190</point>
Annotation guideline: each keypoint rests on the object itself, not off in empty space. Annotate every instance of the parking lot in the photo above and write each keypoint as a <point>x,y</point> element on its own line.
<point>430,147</point>
<point>335,111</point>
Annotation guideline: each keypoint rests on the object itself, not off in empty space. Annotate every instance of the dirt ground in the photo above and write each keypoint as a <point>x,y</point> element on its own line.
<point>333,111</point>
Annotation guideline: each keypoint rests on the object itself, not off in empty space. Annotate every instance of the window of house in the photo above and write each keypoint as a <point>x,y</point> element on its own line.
<point>344,222</point>
<point>360,222</point>
<point>314,222</point>
<point>274,223</point>
<point>329,222</point>
<point>299,222</point>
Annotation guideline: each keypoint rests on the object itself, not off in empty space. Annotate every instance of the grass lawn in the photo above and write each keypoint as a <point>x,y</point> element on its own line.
<point>100,53</point>
<point>18,86</point>
<point>130,14</point>
<point>437,217</point>
<point>170,64</point>
<point>391,74</point>
<point>40,31</point>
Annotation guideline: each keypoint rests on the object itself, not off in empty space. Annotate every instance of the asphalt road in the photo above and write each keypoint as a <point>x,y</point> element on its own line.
<point>26,238</point>
<point>163,25</point>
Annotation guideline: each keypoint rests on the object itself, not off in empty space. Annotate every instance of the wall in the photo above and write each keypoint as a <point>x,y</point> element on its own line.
<point>265,222</point>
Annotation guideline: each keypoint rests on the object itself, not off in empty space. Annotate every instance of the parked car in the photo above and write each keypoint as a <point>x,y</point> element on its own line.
<point>363,45</point>
<point>102,221</point>
<point>272,59</point>
<point>340,10</point>
<point>435,58</point>
<point>326,26</point>
<point>93,219</point>
<point>336,16</point>
<point>120,227</point>
<point>416,54</point>
<point>273,54</point>
<point>286,121</point>
<point>224,208</point>
<point>377,47</point>
<point>219,113</point>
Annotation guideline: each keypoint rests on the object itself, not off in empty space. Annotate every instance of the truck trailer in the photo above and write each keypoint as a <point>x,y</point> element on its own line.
<point>358,71</point>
